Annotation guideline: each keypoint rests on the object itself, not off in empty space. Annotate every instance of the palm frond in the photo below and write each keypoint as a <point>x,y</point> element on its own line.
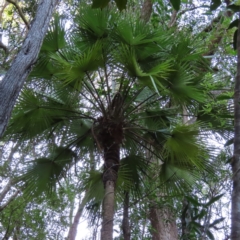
<point>44,173</point>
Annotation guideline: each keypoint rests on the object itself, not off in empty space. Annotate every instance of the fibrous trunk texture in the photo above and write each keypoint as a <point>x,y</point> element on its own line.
<point>125,222</point>
<point>146,10</point>
<point>163,224</point>
<point>12,83</point>
<point>111,166</point>
<point>108,211</point>
<point>235,231</point>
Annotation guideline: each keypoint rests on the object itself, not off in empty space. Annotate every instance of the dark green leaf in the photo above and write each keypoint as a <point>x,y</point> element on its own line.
<point>99,3</point>
<point>235,40</point>
<point>234,8</point>
<point>193,201</point>
<point>215,4</point>
<point>121,4</point>
<point>202,214</point>
<point>229,142</point>
<point>229,160</point>
<point>176,4</point>
<point>210,235</point>
<point>215,222</point>
<point>233,24</point>
<point>213,200</point>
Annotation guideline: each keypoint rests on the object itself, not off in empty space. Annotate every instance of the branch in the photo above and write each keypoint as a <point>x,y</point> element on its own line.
<point>9,200</point>
<point>14,2</point>
<point>173,18</point>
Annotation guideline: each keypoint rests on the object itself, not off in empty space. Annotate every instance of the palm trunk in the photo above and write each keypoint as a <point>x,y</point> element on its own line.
<point>111,166</point>
<point>146,10</point>
<point>125,222</point>
<point>235,231</point>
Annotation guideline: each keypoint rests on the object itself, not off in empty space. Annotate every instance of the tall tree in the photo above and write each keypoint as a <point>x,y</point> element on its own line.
<point>11,84</point>
<point>100,87</point>
<point>235,233</point>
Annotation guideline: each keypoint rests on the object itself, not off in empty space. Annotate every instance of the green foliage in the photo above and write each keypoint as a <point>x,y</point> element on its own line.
<point>215,4</point>
<point>176,4</point>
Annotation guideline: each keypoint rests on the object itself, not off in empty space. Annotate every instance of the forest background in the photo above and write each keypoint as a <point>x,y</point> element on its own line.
<point>122,120</point>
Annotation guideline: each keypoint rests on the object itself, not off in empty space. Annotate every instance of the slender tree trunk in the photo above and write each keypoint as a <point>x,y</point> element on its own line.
<point>12,83</point>
<point>185,230</point>
<point>125,222</point>
<point>235,231</point>
<point>72,233</point>
<point>111,166</point>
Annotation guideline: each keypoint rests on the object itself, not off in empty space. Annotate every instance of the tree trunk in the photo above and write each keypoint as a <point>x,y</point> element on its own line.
<point>146,10</point>
<point>125,222</point>
<point>163,224</point>
<point>12,83</point>
<point>111,166</point>
<point>235,231</point>
<point>73,229</point>
<point>108,212</point>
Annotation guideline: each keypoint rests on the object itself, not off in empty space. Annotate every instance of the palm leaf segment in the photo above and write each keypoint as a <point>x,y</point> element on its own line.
<point>101,86</point>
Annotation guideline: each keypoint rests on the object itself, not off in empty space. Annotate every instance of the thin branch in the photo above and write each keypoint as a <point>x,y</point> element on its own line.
<point>173,18</point>
<point>9,200</point>
<point>20,12</point>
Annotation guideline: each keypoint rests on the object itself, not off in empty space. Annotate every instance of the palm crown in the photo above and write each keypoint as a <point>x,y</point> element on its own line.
<point>113,85</point>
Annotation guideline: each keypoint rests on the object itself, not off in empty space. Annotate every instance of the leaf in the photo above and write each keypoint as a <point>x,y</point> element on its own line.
<point>154,85</point>
<point>210,235</point>
<point>215,4</point>
<point>121,4</point>
<point>235,40</point>
<point>99,3</point>
<point>193,201</point>
<point>233,24</point>
<point>234,8</point>
<point>213,200</point>
<point>176,4</point>
<point>229,142</point>
<point>215,222</point>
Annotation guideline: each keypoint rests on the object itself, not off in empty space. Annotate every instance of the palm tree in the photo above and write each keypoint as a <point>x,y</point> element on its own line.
<point>112,85</point>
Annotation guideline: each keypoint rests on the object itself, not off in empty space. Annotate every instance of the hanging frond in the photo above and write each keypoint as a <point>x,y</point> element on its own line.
<point>44,173</point>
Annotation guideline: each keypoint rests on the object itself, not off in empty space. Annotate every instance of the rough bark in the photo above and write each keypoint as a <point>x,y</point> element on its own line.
<point>72,233</point>
<point>163,224</point>
<point>111,166</point>
<point>235,231</point>
<point>108,211</point>
<point>146,10</point>
<point>12,83</point>
<point>125,221</point>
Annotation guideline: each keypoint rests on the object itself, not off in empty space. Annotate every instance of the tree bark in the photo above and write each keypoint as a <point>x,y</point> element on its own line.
<point>163,224</point>
<point>13,81</point>
<point>72,233</point>
<point>235,230</point>
<point>146,10</point>
<point>111,166</point>
<point>125,221</point>
<point>108,211</point>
